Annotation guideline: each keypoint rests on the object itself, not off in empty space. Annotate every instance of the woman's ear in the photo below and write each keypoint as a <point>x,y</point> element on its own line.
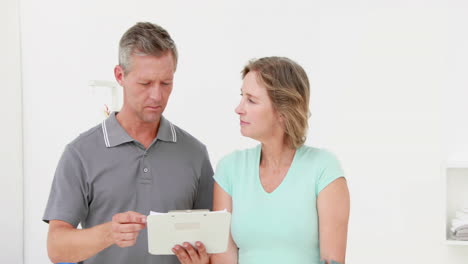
<point>280,118</point>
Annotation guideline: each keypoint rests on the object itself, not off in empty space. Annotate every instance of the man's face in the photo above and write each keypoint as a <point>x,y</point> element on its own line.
<point>147,85</point>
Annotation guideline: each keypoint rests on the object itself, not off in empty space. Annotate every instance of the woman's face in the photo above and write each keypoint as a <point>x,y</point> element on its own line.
<point>258,119</point>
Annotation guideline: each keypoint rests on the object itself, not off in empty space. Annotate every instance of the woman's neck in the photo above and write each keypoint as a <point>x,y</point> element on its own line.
<point>276,153</point>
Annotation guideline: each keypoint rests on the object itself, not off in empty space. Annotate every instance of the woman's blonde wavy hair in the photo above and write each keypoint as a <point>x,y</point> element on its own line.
<point>289,91</point>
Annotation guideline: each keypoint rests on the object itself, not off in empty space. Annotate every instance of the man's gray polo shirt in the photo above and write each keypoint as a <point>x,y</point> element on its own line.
<point>104,172</point>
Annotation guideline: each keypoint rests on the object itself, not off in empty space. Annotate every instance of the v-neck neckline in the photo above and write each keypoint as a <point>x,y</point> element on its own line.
<point>283,182</point>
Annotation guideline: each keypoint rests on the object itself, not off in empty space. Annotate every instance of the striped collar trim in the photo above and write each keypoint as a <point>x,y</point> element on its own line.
<point>114,134</point>
<point>104,132</point>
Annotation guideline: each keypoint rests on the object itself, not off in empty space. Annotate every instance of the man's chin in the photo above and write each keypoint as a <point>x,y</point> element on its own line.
<point>151,118</point>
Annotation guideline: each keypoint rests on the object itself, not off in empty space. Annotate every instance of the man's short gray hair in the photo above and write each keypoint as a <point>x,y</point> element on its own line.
<point>145,38</point>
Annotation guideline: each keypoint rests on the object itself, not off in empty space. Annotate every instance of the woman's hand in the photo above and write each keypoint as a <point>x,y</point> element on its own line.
<point>190,255</point>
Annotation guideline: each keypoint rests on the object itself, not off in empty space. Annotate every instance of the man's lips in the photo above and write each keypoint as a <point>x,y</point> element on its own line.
<point>153,107</point>
<point>243,123</point>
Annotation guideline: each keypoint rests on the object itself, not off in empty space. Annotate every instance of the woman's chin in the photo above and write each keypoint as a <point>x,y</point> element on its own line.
<point>247,134</point>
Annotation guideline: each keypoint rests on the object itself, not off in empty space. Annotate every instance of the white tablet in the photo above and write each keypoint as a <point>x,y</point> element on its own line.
<point>165,230</point>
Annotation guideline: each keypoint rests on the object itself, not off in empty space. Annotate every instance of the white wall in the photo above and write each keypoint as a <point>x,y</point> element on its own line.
<point>378,70</point>
<point>11,194</point>
<point>455,126</point>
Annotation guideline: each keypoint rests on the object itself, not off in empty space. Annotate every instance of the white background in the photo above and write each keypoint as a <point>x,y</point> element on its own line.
<point>11,190</point>
<point>388,98</point>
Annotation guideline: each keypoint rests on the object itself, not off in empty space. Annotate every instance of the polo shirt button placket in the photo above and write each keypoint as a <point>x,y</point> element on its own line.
<point>146,175</point>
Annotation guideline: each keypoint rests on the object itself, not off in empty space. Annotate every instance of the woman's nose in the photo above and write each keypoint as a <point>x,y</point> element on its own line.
<point>239,109</point>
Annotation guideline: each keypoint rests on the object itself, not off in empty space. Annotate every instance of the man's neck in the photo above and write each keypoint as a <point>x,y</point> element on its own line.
<point>143,132</point>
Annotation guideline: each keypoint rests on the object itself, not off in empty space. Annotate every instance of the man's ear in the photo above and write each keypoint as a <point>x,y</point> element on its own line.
<point>119,74</point>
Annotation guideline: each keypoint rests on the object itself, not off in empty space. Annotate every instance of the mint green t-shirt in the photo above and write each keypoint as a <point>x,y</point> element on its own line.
<point>281,226</point>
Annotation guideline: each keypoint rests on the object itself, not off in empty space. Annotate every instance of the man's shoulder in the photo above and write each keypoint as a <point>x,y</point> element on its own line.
<point>91,137</point>
<point>187,139</point>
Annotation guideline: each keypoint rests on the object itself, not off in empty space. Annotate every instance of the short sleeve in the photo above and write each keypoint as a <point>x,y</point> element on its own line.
<point>330,169</point>
<point>223,174</point>
<point>204,198</point>
<point>68,195</point>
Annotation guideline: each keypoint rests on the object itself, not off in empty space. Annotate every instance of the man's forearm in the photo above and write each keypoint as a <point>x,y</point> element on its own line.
<point>67,244</point>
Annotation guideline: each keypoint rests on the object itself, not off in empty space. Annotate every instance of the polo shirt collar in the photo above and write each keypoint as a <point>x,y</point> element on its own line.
<point>166,131</point>
<point>115,134</point>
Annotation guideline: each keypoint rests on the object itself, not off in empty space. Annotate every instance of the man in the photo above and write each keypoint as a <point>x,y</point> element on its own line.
<point>136,161</point>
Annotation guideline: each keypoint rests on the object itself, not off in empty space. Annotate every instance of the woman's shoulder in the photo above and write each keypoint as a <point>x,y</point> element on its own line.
<point>317,154</point>
<point>240,156</point>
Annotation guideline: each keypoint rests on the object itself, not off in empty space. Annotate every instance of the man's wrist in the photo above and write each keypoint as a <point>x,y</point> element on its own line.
<point>106,233</point>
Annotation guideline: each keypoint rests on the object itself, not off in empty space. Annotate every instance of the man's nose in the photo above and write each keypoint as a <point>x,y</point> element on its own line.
<point>156,92</point>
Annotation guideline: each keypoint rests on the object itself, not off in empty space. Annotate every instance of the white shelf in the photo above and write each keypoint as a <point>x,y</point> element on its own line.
<point>456,242</point>
<point>455,178</point>
<point>457,160</point>
<point>457,164</point>
<point>114,93</point>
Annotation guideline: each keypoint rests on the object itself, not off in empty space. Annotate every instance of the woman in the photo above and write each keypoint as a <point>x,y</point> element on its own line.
<point>289,202</point>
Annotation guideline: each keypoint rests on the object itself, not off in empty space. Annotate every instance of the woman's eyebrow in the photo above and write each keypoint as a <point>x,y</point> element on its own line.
<point>250,95</point>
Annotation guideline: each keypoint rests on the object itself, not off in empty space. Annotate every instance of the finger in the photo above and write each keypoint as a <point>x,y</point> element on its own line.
<point>201,251</point>
<point>121,218</point>
<point>127,236</point>
<point>134,217</point>
<point>129,217</point>
<point>137,218</point>
<point>191,251</point>
<point>128,228</point>
<point>181,254</point>
<point>123,244</point>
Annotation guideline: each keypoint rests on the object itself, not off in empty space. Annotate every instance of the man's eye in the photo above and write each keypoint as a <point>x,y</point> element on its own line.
<point>250,100</point>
